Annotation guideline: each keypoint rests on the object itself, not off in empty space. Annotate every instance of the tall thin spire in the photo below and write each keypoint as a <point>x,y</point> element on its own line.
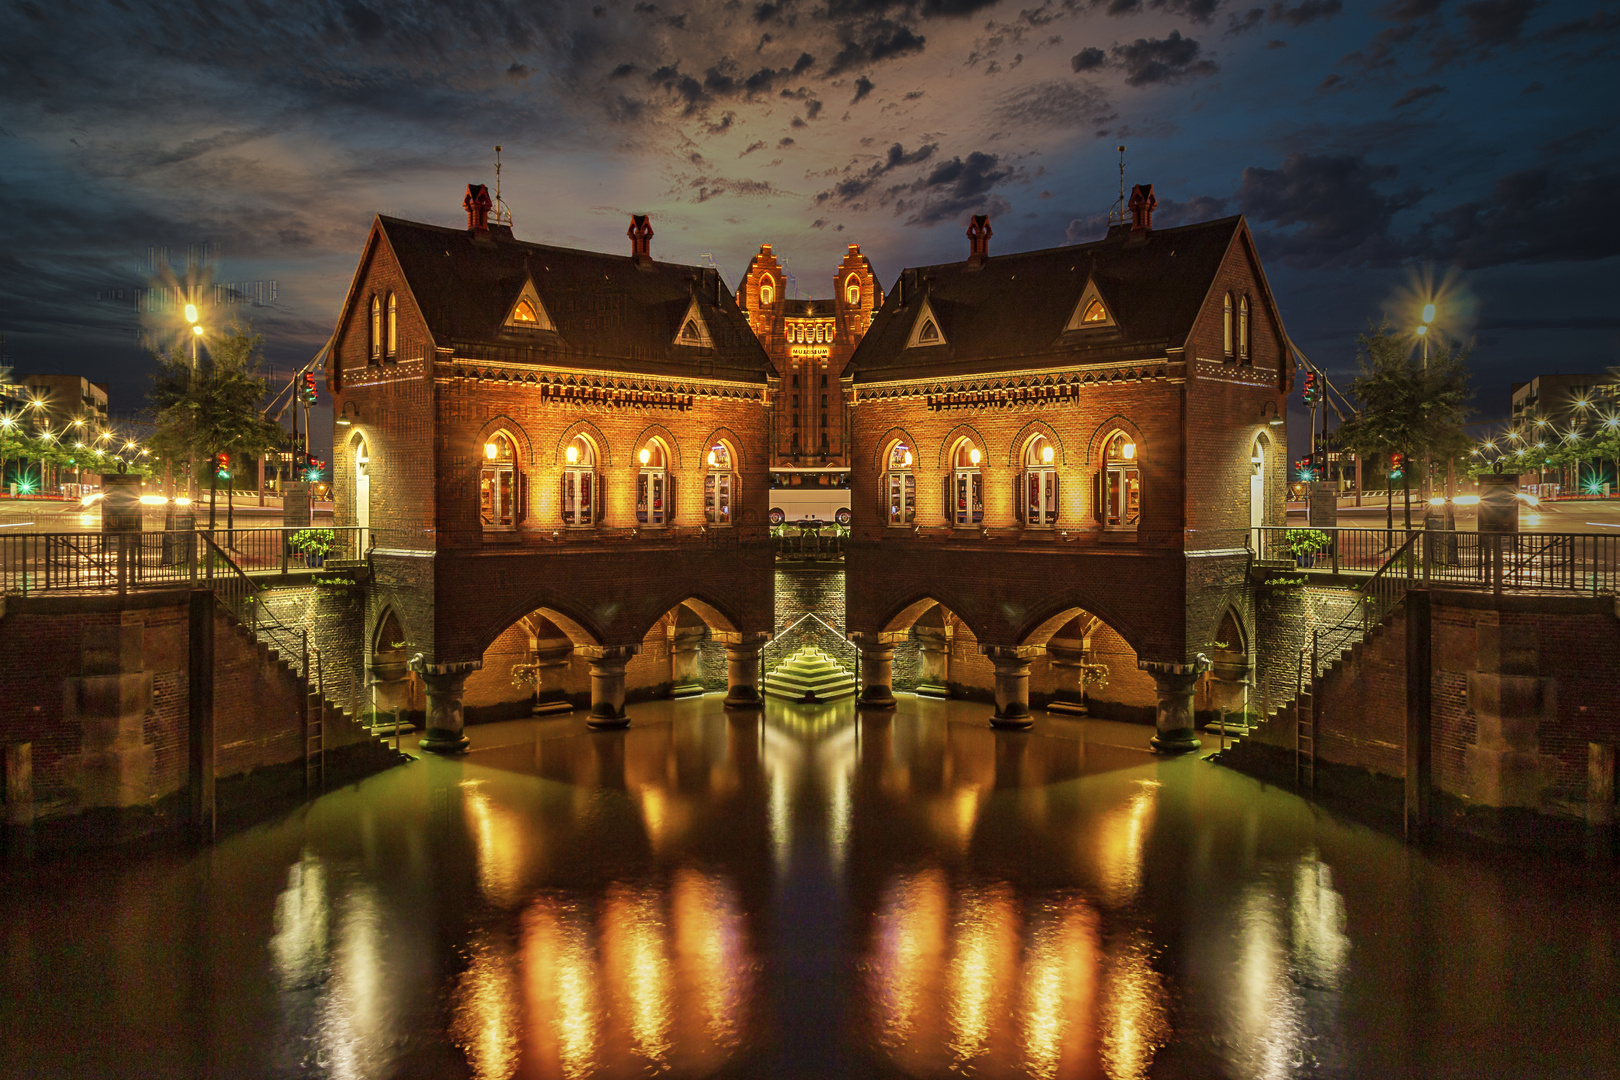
<point>503,213</point>
<point>1116,215</point>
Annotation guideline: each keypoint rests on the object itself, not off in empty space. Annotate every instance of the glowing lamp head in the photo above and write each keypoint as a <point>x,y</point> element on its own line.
<point>197,330</point>
<point>1437,501</point>
<point>572,454</point>
<point>908,457</point>
<point>1428,313</point>
<point>712,459</point>
<point>1129,451</point>
<point>973,455</point>
<point>191,313</point>
<point>1047,455</point>
<point>1422,331</point>
<point>646,455</point>
<point>491,451</point>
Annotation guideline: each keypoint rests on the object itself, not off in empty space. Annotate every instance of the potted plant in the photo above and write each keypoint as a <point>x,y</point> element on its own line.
<point>314,544</point>
<point>1304,544</point>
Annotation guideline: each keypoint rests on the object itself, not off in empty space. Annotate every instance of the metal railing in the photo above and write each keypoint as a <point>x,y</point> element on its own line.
<point>810,540</point>
<point>1557,562</point>
<point>827,639</point>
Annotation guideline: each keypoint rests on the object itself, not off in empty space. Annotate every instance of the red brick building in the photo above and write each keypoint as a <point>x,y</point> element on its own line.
<point>545,442</point>
<point>1047,440</point>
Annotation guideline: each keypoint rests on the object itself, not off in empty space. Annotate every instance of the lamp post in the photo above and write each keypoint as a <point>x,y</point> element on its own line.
<point>196,336</point>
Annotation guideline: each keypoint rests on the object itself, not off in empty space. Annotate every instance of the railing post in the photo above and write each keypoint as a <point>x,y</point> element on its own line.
<point>1428,553</point>
<point>284,546</point>
<point>1333,546</point>
<point>193,539</point>
<point>1496,564</point>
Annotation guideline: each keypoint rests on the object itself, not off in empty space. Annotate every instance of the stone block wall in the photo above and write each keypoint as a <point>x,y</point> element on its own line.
<point>335,619</point>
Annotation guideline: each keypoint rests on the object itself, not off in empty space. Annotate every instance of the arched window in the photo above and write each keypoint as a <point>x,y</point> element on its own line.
<point>1243,328</point>
<point>899,485</point>
<point>524,313</point>
<point>653,484</point>
<point>852,290</point>
<point>498,485</point>
<point>767,290</point>
<point>1040,504</point>
<point>719,485</point>
<point>929,334</point>
<point>362,489</point>
<point>964,487</point>
<point>393,324</point>
<point>1121,500</point>
<point>1095,313</point>
<point>376,328</point>
<point>1226,328</point>
<point>580,493</point>
<point>690,331</point>
<point>1257,488</point>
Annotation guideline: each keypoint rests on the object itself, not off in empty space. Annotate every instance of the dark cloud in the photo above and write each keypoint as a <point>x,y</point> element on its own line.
<point>786,141</point>
<point>1301,14</point>
<point>1531,216</point>
<point>751,147</point>
<point>365,24</point>
<point>819,223</point>
<point>1055,104</point>
<point>1496,22</point>
<point>1088,59</point>
<point>1276,43</point>
<point>1162,60</point>
<point>1325,209</point>
<point>874,43</point>
<point>1199,208</point>
<point>955,188</point>
<point>854,187</point>
<point>519,71</point>
<point>863,87</point>
<point>708,187</point>
<point>1418,93</point>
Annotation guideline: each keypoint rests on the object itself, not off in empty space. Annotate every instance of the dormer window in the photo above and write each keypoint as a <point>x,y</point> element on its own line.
<point>524,314</point>
<point>929,334</point>
<point>1095,313</point>
<point>690,332</point>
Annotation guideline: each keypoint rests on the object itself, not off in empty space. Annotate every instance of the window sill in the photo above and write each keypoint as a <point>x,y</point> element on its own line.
<point>500,534</point>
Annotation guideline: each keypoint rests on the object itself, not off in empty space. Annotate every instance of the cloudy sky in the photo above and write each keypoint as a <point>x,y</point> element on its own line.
<point>1373,148</point>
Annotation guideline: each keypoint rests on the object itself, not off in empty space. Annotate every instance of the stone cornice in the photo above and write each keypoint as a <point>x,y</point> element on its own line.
<point>596,385</point>
<point>1031,387</point>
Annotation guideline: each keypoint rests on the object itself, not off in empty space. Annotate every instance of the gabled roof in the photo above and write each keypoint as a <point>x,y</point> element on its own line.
<point>608,310</point>
<point>1011,310</point>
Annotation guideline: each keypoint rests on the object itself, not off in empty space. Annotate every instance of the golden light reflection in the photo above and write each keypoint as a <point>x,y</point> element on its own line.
<point>837,756</point>
<point>560,988</point>
<point>909,947</point>
<point>1120,839</point>
<point>1321,946</point>
<point>357,1016</point>
<point>1263,1020</point>
<point>1059,981</point>
<point>980,977</point>
<point>499,837</point>
<point>1134,1022</point>
<point>711,952</point>
<point>298,949</point>
<point>638,970</point>
<point>486,1020</point>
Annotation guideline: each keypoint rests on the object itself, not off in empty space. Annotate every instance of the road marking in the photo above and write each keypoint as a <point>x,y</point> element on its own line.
<point>1604,524</point>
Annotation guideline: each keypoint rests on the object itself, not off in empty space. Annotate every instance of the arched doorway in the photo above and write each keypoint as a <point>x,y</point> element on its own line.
<point>362,491</point>
<point>1257,489</point>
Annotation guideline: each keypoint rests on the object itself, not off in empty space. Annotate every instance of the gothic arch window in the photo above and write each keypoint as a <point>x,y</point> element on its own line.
<point>767,290</point>
<point>1121,501</point>
<point>899,484</point>
<point>964,487</point>
<point>852,291</point>
<point>1040,502</point>
<point>376,328</point>
<point>393,325</point>
<point>499,485</point>
<point>1226,328</point>
<point>581,491</point>
<point>690,331</point>
<point>1094,313</point>
<point>719,484</point>
<point>654,484</point>
<point>1243,328</point>
<point>929,334</point>
<point>525,314</point>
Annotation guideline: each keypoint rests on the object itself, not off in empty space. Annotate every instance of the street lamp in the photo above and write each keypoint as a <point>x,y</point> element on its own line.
<point>196,332</point>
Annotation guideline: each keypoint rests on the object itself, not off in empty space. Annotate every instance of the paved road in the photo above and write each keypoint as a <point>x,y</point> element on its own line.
<point>30,516</point>
<point>1563,517</point>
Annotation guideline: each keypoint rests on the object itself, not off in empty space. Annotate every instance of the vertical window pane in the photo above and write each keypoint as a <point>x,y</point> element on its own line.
<point>503,496</point>
<point>1051,498</point>
<point>486,498</point>
<point>911,497</point>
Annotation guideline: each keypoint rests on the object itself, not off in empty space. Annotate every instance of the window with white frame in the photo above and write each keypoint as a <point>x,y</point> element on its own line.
<point>1040,502</point>
<point>580,491</point>
<point>965,497</point>
<point>900,486</point>
<point>652,484</point>
<point>718,486</point>
<point>498,485</point>
<point>1122,484</point>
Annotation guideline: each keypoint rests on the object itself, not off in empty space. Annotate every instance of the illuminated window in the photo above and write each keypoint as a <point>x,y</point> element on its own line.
<point>1122,484</point>
<point>719,485</point>
<point>929,334</point>
<point>900,486</point>
<point>1095,313</point>
<point>852,290</point>
<point>1040,503</point>
<point>524,313</point>
<point>393,324</point>
<point>964,492</point>
<point>1226,327</point>
<point>376,328</point>
<point>653,485</point>
<point>580,492</point>
<point>1243,328</point>
<point>767,290</point>
<point>498,485</point>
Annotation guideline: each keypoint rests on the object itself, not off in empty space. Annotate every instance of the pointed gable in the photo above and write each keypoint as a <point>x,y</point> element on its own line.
<point>925,330</point>
<point>694,332</point>
<point>527,312</point>
<point>1092,312</point>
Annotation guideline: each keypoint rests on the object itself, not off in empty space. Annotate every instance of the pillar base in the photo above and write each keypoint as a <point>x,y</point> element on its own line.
<point>607,723</point>
<point>1175,742</point>
<point>876,697</point>
<point>1174,714</point>
<point>1068,708</point>
<point>551,708</point>
<point>685,690</point>
<point>1012,721</point>
<point>743,696</point>
<point>440,741</point>
<point>933,690</point>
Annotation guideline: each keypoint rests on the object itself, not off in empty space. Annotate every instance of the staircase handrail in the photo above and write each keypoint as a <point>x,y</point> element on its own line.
<point>781,636</point>
<point>1377,596</point>
<point>241,596</point>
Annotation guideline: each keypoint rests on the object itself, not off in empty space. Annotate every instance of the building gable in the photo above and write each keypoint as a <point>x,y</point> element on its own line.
<point>1091,312</point>
<point>527,312</point>
<point>694,332</point>
<point>925,329</point>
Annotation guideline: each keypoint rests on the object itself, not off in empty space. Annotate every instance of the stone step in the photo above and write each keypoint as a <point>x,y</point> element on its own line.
<point>810,675</point>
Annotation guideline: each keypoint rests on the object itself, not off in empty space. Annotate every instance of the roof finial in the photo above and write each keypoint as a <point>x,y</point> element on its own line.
<point>1116,216</point>
<point>503,213</point>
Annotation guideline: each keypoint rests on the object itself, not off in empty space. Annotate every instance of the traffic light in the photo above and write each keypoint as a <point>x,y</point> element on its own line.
<point>307,391</point>
<point>222,466</point>
<point>1311,392</point>
<point>1397,465</point>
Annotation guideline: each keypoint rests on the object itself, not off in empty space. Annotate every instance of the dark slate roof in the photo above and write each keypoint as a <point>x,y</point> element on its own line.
<point>1010,312</point>
<point>809,309</point>
<point>610,313</point>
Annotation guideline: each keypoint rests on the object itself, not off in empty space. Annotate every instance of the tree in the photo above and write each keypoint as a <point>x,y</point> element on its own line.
<point>214,408</point>
<point>1408,406</point>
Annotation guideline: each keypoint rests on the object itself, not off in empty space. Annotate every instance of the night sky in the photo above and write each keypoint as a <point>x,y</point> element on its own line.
<point>1373,148</point>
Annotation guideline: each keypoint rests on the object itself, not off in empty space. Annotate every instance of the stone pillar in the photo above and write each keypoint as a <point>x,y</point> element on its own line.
<point>1066,655</point>
<point>1174,715</point>
<point>550,671</point>
<point>742,671</point>
<point>686,660</point>
<point>1012,686</point>
<point>607,685</point>
<point>445,684</point>
<point>1510,700</point>
<point>933,661</point>
<point>1323,505</point>
<point>877,673</point>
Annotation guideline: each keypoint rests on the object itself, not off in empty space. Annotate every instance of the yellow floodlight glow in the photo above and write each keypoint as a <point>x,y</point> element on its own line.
<point>1438,500</point>
<point>197,330</point>
<point>1047,454</point>
<point>153,500</point>
<point>1466,500</point>
<point>1428,313</point>
<point>491,450</point>
<point>572,454</point>
<point>713,461</point>
<point>1129,450</point>
<point>646,455</point>
<point>191,313</point>
<point>973,455</point>
<point>1422,331</point>
<point>181,500</point>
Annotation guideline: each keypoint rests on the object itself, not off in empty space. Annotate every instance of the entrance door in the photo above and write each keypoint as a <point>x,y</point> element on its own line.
<point>1257,504</point>
<point>362,496</point>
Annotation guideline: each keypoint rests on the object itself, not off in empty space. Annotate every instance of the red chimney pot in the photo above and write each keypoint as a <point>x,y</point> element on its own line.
<point>477,204</point>
<point>978,234</point>
<point>640,234</point>
<point>1142,203</point>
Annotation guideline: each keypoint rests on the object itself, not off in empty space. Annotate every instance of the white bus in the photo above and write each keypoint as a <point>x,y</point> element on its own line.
<point>824,504</point>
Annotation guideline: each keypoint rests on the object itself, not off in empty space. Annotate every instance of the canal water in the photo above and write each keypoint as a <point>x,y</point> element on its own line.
<point>808,894</point>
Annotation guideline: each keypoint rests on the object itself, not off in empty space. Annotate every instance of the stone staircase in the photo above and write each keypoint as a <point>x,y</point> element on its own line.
<point>810,676</point>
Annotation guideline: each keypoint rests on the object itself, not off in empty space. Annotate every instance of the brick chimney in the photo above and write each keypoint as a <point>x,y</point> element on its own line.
<point>640,234</point>
<point>477,204</point>
<point>978,235</point>
<point>1142,203</point>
